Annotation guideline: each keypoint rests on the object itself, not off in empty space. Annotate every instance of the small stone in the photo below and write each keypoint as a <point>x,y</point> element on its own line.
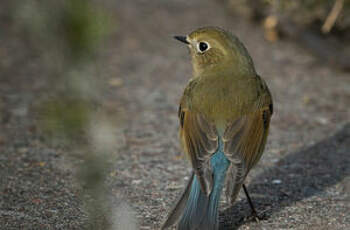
<point>116,82</point>
<point>173,186</point>
<point>136,181</point>
<point>275,160</point>
<point>322,120</point>
<point>276,181</point>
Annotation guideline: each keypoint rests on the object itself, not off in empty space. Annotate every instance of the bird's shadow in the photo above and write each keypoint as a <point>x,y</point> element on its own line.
<point>303,174</point>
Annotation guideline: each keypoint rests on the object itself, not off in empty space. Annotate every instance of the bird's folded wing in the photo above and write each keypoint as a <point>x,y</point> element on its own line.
<point>200,141</point>
<point>244,141</point>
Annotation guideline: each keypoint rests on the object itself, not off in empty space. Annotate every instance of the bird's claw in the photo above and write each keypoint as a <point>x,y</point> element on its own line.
<point>254,216</point>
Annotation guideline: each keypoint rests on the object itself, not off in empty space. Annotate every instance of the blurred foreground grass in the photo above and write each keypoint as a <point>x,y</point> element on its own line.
<point>67,37</point>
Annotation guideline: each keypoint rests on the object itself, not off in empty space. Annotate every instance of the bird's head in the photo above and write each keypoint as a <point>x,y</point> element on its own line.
<point>214,49</point>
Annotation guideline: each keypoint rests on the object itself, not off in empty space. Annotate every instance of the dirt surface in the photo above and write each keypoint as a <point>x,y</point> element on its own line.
<point>301,182</point>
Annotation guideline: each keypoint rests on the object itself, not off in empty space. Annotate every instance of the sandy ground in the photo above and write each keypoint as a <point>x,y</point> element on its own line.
<point>302,181</point>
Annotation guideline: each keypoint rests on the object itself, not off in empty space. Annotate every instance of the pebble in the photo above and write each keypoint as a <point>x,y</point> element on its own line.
<point>276,181</point>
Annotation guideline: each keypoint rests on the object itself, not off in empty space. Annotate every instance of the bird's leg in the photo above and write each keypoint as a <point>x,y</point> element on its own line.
<point>254,213</point>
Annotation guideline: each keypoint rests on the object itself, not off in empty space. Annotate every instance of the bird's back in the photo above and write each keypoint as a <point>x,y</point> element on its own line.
<point>226,97</point>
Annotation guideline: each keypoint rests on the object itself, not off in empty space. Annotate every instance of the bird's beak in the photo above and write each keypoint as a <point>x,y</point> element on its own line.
<point>182,39</point>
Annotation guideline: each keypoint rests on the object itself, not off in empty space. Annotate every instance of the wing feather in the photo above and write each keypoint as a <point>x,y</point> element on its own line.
<point>200,141</point>
<point>244,142</point>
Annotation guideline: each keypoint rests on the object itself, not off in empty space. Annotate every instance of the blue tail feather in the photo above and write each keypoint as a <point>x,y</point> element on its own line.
<point>201,211</point>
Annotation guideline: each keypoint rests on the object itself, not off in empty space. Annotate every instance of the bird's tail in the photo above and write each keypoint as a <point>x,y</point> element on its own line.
<point>179,207</point>
<point>200,212</point>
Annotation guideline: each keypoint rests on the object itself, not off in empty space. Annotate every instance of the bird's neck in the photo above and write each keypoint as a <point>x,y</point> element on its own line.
<point>239,67</point>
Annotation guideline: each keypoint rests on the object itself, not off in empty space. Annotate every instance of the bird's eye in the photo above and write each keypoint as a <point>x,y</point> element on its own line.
<point>203,46</point>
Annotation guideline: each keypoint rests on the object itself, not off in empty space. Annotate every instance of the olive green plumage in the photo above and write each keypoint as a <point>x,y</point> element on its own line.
<point>226,103</point>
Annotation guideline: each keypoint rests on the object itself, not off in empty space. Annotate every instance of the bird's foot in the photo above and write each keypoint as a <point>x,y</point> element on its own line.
<point>254,216</point>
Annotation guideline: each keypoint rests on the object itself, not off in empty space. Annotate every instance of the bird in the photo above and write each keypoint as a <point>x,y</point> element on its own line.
<point>224,117</point>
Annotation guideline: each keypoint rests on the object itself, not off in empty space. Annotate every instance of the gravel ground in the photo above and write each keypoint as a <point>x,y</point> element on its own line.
<point>302,181</point>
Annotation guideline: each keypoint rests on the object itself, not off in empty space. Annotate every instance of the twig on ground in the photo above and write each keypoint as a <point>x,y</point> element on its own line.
<point>332,16</point>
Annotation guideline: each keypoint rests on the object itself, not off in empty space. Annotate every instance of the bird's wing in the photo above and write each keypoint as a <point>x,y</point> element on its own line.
<point>200,142</point>
<point>244,141</point>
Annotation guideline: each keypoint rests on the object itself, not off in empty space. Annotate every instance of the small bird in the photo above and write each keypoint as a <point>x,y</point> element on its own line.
<point>224,118</point>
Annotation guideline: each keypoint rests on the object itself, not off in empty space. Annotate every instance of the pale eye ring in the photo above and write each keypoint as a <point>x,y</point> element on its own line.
<point>202,46</point>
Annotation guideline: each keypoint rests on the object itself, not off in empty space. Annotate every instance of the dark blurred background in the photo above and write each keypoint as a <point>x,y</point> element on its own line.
<point>88,111</point>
